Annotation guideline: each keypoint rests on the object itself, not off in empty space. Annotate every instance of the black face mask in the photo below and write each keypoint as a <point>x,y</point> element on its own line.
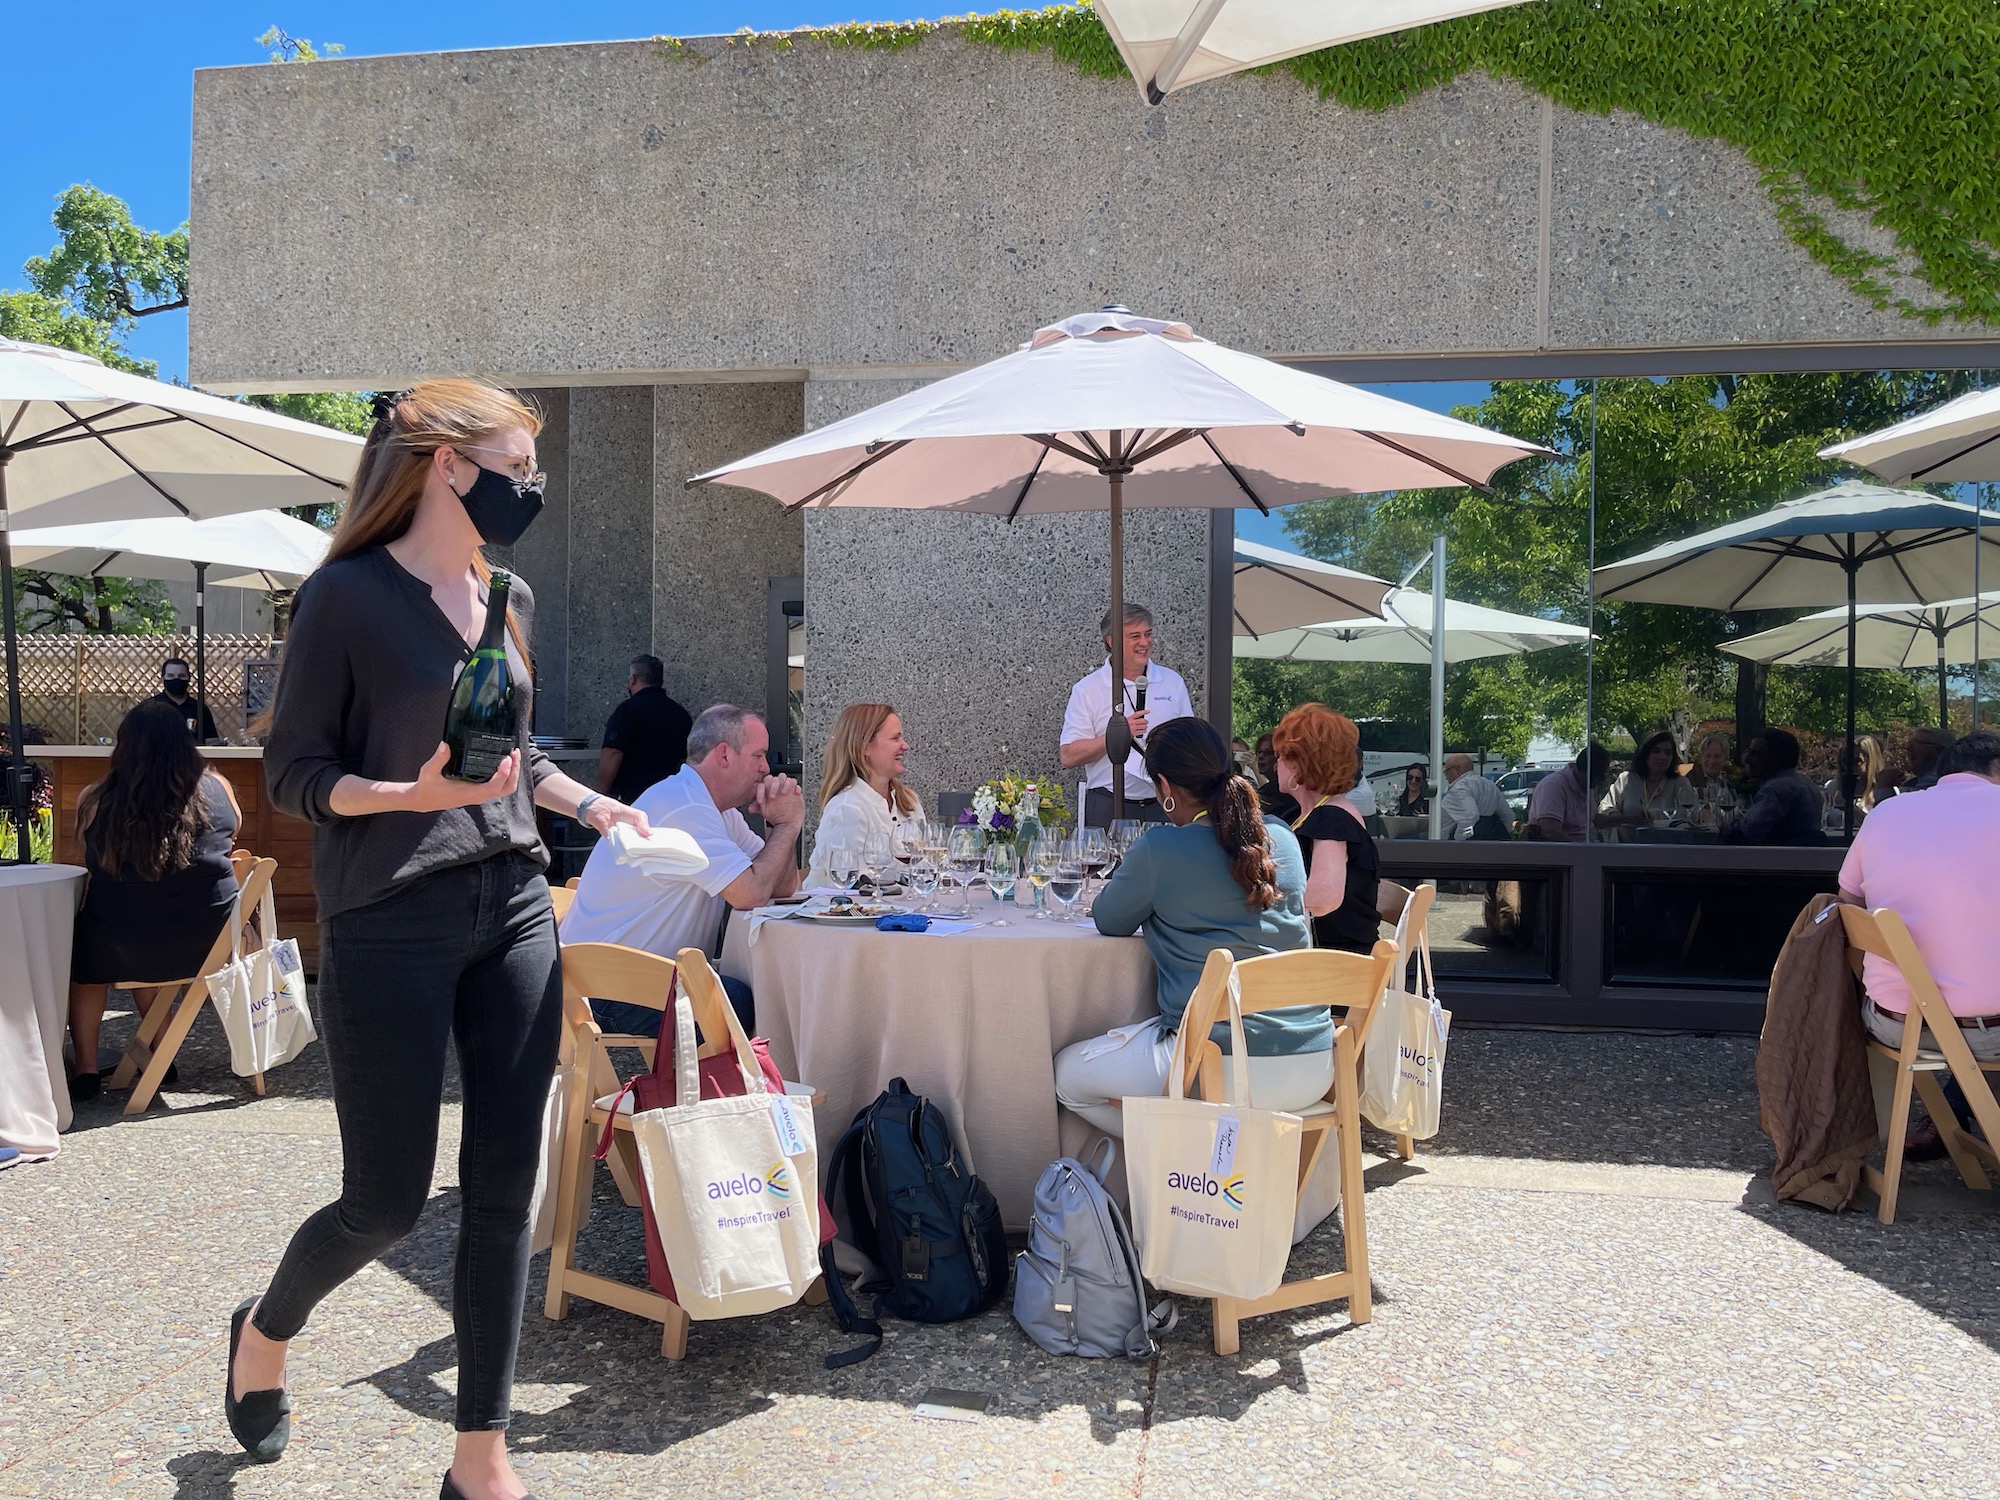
<point>177,687</point>
<point>501,506</point>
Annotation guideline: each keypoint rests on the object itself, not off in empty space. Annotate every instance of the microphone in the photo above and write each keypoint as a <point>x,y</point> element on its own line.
<point>1139,694</point>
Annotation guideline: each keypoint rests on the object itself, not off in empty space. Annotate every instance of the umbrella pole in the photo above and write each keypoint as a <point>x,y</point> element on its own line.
<point>1117,733</point>
<point>1437,686</point>
<point>1850,789</point>
<point>200,648</point>
<point>1943,723</point>
<point>16,773</point>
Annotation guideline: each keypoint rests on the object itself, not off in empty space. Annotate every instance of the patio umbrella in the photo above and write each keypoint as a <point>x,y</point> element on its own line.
<point>1854,544</point>
<point>1108,410</point>
<point>1471,631</point>
<point>1277,590</point>
<point>1886,636</point>
<point>1169,44</point>
<point>255,549</point>
<point>82,442</point>
<point>1957,441</point>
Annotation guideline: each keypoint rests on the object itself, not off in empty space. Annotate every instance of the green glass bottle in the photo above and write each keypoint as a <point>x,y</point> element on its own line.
<point>479,728</point>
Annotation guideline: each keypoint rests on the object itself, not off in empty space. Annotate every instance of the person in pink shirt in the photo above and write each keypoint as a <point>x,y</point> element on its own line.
<point>1930,856</point>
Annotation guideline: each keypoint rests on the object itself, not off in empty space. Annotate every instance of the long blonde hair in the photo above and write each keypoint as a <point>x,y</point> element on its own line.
<point>846,760</point>
<point>389,480</point>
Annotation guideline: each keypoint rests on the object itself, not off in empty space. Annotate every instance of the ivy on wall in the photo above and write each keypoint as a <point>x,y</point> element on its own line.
<point>1887,107</point>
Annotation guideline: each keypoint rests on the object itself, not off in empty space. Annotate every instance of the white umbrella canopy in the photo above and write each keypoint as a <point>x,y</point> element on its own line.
<point>259,549</point>
<point>1169,44</point>
<point>1898,546</point>
<point>1887,636</point>
<point>1958,441</point>
<point>1471,631</point>
<point>82,442</point>
<point>1279,591</point>
<point>1107,410</point>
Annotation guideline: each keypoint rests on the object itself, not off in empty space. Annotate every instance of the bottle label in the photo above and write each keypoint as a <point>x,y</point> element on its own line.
<point>483,754</point>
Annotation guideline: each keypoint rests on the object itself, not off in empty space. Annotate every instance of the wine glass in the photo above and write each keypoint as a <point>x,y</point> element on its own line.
<point>878,859</point>
<point>1003,867</point>
<point>908,840</point>
<point>966,855</point>
<point>922,877</point>
<point>843,866</point>
<point>1041,868</point>
<point>1066,879</point>
<point>1124,834</point>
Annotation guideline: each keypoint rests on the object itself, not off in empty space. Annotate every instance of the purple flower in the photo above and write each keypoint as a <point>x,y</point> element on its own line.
<point>967,818</point>
<point>1002,822</point>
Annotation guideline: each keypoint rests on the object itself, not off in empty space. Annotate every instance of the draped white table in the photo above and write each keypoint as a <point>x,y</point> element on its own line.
<point>973,1020</point>
<point>37,915</point>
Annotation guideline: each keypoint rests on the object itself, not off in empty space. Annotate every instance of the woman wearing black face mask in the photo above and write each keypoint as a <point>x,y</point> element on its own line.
<point>435,920</point>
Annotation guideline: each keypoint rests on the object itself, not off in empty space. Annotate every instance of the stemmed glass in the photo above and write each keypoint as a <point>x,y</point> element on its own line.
<point>1093,851</point>
<point>922,877</point>
<point>879,859</point>
<point>1124,834</point>
<point>1003,866</point>
<point>843,866</point>
<point>966,856</point>
<point>1041,869</point>
<point>1066,879</point>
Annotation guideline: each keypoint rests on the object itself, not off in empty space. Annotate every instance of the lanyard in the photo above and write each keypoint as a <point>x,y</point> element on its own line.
<point>1324,799</point>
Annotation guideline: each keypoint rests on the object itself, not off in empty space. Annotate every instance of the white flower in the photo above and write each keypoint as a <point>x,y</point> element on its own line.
<point>984,805</point>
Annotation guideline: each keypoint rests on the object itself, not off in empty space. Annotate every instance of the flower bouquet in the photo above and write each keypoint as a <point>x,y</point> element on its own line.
<point>1000,807</point>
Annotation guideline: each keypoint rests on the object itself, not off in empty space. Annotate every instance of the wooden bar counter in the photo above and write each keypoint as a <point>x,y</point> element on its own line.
<point>265,830</point>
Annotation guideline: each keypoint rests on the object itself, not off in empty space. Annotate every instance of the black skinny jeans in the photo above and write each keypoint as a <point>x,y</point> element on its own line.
<point>467,955</point>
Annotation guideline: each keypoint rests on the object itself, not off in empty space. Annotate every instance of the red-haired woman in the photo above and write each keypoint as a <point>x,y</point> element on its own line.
<point>1319,756</point>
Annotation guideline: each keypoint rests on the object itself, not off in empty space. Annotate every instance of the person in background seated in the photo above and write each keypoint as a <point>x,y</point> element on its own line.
<point>1928,746</point>
<point>726,771</point>
<point>1414,801</point>
<point>156,836</point>
<point>175,680</point>
<point>645,739</point>
<point>1931,859</point>
<point>1318,753</point>
<point>1218,875</point>
<point>1786,809</point>
<point>863,801</point>
<point>1270,796</point>
<point>1653,791</point>
<point>1563,805</point>
<point>1245,759</point>
<point>1709,778</point>
<point>1469,801</point>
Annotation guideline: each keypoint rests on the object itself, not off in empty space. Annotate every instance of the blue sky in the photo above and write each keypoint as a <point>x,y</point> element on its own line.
<point>121,119</point>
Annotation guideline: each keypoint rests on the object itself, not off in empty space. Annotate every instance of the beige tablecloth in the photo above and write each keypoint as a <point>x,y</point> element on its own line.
<point>37,914</point>
<point>973,1020</point>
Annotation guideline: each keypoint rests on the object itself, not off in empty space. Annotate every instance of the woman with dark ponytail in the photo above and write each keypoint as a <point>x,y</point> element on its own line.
<point>1217,874</point>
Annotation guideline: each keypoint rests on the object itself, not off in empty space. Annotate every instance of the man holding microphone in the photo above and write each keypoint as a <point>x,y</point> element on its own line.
<point>1152,694</point>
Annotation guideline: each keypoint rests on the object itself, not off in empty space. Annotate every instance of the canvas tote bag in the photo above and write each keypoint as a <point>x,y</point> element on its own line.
<point>1402,1063</point>
<point>261,995</point>
<point>734,1184</point>
<point>1213,1185</point>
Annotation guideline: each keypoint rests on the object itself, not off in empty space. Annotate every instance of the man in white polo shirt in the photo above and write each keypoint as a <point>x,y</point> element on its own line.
<point>1089,715</point>
<point>726,771</point>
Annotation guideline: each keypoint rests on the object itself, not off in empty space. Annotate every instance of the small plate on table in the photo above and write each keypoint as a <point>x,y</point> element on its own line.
<point>851,914</point>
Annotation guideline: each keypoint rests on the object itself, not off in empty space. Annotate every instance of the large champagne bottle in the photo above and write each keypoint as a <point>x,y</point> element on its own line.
<point>479,729</point>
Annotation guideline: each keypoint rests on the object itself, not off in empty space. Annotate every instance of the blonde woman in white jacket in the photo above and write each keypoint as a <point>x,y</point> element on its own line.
<point>862,797</point>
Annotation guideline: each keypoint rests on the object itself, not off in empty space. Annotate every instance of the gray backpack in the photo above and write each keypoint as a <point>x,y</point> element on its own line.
<point>1077,1287</point>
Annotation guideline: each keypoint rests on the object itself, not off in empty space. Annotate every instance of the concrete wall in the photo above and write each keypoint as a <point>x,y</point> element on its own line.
<point>611,213</point>
<point>975,629</point>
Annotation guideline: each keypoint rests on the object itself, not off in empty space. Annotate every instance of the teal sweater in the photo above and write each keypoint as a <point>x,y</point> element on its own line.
<point>1175,883</point>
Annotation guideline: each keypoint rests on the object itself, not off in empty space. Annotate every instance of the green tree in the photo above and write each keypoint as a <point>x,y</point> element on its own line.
<point>1672,457</point>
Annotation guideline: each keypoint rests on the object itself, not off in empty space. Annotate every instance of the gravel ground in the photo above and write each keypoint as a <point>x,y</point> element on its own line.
<point>1582,1289</point>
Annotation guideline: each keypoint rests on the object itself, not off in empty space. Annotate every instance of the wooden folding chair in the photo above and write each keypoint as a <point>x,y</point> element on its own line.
<point>165,1026</point>
<point>1349,982</point>
<point>561,897</point>
<point>1412,917</point>
<point>1896,1071</point>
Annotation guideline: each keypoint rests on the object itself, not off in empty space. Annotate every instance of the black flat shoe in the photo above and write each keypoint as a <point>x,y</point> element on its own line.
<point>84,1087</point>
<point>262,1420</point>
<point>450,1491</point>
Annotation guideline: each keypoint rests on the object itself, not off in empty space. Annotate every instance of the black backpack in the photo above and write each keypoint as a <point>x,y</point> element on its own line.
<point>931,1227</point>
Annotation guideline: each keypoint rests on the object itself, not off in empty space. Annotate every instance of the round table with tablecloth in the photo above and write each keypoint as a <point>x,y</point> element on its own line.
<point>37,914</point>
<point>972,1019</point>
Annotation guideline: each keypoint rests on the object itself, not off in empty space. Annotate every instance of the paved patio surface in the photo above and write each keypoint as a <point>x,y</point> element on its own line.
<point>1582,1290</point>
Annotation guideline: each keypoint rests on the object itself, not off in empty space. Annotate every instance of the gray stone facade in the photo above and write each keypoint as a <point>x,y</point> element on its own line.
<point>693,254</point>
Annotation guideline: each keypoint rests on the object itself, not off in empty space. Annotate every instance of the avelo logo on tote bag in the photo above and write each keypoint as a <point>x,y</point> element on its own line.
<point>777,1182</point>
<point>1215,1193</point>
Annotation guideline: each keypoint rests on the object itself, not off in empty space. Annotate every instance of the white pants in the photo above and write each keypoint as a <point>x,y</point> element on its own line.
<point>1135,1059</point>
<point>1983,1041</point>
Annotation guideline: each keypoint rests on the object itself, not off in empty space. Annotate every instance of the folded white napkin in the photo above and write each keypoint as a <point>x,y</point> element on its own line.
<point>664,851</point>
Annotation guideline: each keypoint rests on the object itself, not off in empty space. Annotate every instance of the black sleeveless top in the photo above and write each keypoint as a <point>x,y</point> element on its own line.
<point>156,930</point>
<point>1355,923</point>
